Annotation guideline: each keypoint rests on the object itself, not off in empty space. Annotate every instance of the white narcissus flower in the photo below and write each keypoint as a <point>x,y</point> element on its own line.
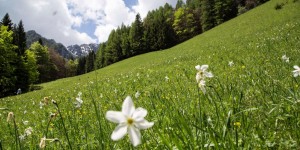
<point>202,73</point>
<point>285,58</point>
<point>43,143</point>
<point>296,71</point>
<point>130,121</point>
<point>79,101</point>
<point>230,63</point>
<point>137,94</point>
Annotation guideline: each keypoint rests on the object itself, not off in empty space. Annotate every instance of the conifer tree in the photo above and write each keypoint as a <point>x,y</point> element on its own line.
<point>6,21</point>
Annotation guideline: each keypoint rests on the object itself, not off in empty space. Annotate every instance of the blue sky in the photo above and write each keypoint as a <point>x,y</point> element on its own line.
<point>77,21</point>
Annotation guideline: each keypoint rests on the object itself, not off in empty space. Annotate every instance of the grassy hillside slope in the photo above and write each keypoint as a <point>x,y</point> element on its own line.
<point>255,103</point>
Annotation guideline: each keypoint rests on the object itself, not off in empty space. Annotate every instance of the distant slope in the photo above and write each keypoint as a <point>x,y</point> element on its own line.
<point>83,49</point>
<point>32,36</point>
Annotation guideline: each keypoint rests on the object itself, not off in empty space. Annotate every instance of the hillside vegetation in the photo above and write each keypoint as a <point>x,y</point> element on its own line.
<point>252,100</point>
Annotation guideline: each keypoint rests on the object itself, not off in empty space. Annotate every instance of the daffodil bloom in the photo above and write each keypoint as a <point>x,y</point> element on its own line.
<point>202,73</point>
<point>130,121</point>
<point>296,71</point>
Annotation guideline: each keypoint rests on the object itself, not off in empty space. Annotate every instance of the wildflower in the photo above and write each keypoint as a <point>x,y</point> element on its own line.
<point>22,137</point>
<point>230,63</point>
<point>130,121</point>
<point>137,94</point>
<point>296,71</point>
<point>202,86</point>
<point>167,78</point>
<point>28,131</point>
<point>285,58</point>
<point>10,116</point>
<point>46,100</point>
<point>43,142</point>
<point>25,122</point>
<point>41,105</point>
<point>202,73</point>
<point>237,124</point>
<point>79,101</point>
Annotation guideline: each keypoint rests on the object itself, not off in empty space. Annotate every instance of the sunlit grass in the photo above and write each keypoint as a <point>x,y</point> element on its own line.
<point>253,103</point>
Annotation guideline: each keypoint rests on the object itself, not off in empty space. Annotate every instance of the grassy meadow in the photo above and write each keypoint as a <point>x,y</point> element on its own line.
<point>251,103</point>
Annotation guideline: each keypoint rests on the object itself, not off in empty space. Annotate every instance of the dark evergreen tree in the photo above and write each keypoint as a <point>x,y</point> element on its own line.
<point>90,61</point>
<point>99,63</point>
<point>207,17</point>
<point>20,38</point>
<point>136,36</point>
<point>81,65</point>
<point>179,4</point>
<point>6,21</point>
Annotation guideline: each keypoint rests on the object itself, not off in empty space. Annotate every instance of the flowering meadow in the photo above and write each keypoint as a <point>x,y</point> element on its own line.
<point>233,87</point>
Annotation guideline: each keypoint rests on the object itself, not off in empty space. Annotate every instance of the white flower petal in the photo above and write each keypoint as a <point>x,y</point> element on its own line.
<point>128,107</point>
<point>119,132</point>
<point>208,74</point>
<point>296,67</point>
<point>198,67</point>
<point>204,67</point>
<point>144,124</point>
<point>139,114</point>
<point>198,77</point>
<point>134,135</point>
<point>115,116</point>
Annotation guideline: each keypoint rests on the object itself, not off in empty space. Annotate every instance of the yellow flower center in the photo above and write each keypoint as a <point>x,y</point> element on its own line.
<point>130,121</point>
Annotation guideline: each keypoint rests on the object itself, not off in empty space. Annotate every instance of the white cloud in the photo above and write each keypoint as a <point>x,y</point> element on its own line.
<point>55,19</point>
<point>143,6</point>
<point>51,19</point>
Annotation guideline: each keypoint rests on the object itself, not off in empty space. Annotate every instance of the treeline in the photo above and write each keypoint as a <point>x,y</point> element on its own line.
<point>23,66</point>
<point>163,28</point>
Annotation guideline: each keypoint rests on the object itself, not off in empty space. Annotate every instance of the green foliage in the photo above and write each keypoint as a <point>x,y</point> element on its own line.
<point>184,24</point>
<point>31,65</point>
<point>45,66</point>
<point>7,58</point>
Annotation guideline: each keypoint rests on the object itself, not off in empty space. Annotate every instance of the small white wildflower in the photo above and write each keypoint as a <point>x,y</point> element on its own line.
<point>43,143</point>
<point>167,78</point>
<point>130,121</point>
<point>230,63</point>
<point>296,71</point>
<point>28,131</point>
<point>202,73</point>
<point>22,137</point>
<point>137,94</point>
<point>10,116</point>
<point>41,105</point>
<point>79,101</point>
<point>285,58</point>
<point>25,122</point>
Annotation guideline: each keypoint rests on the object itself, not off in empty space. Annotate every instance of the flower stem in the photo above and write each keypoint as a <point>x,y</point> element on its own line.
<point>62,120</point>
